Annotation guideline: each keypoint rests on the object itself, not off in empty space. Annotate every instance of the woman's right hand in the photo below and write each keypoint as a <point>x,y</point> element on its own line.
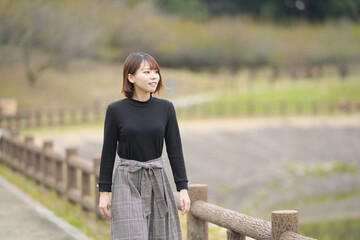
<point>104,204</point>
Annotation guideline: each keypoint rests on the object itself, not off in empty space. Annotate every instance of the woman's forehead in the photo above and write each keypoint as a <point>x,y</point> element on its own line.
<point>147,65</point>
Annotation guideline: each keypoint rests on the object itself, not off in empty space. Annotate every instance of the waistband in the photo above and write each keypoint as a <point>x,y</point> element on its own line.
<point>136,162</point>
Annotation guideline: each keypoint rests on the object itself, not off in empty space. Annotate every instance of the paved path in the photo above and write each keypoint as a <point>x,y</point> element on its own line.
<point>21,218</point>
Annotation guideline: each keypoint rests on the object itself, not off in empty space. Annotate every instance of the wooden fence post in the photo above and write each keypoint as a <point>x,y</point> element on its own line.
<point>14,153</point>
<point>73,116</point>
<point>197,229</point>
<point>72,183</point>
<point>96,109</point>
<point>27,119</point>
<point>26,164</point>
<point>61,116</point>
<point>85,114</point>
<point>96,161</point>
<point>50,118</point>
<point>38,122</point>
<point>234,236</point>
<point>283,221</point>
<point>87,201</point>
<point>43,163</point>
<point>59,176</point>
<point>18,116</point>
<point>49,172</point>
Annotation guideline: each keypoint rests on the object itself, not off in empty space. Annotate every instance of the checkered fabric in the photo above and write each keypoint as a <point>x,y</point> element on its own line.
<point>142,202</point>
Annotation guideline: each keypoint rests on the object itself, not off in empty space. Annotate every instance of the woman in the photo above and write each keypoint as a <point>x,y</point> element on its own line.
<point>142,204</point>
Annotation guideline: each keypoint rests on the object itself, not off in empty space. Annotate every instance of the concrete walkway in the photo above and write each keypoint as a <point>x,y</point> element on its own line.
<point>21,217</point>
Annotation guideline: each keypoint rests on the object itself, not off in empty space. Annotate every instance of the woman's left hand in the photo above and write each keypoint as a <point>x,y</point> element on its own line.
<point>184,201</point>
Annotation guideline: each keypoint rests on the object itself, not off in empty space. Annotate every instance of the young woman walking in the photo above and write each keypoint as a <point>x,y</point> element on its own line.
<point>142,204</point>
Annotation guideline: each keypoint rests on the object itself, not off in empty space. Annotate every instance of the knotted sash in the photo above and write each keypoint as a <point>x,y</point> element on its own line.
<point>151,171</point>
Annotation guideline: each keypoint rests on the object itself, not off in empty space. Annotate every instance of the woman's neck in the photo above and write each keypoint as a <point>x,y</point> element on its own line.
<point>141,96</point>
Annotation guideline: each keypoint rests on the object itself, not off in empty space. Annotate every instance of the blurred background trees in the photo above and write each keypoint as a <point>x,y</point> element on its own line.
<point>196,34</point>
<point>271,9</point>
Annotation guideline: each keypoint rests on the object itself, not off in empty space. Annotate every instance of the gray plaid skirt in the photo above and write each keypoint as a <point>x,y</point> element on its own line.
<point>142,202</point>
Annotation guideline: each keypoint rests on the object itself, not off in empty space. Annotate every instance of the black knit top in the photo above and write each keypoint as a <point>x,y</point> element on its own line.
<point>138,129</point>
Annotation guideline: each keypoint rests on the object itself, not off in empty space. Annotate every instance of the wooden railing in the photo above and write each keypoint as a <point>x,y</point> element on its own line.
<point>54,116</point>
<point>269,109</point>
<point>68,175</point>
<point>76,178</point>
<point>283,225</point>
<point>96,112</point>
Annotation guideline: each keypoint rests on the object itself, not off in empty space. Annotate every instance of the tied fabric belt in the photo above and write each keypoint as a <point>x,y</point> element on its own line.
<point>151,173</point>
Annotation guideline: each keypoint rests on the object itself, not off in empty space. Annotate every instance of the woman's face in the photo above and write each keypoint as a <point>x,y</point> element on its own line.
<point>145,79</point>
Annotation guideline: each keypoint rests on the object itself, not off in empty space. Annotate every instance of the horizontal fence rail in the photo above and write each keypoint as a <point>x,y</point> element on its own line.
<point>95,112</point>
<point>76,178</point>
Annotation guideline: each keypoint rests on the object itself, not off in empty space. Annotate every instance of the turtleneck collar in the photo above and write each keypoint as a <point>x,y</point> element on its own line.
<point>140,103</point>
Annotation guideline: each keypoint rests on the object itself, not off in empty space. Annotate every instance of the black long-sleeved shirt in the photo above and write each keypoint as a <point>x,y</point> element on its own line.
<point>137,129</point>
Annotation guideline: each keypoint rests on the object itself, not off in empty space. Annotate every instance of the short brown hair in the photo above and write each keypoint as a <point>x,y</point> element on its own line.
<point>131,65</point>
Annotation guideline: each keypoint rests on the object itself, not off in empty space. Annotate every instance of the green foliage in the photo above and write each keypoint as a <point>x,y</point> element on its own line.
<point>348,229</point>
<point>187,8</point>
<point>272,9</point>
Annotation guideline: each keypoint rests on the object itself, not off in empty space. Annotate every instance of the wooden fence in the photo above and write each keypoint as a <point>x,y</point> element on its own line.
<point>54,116</point>
<point>96,112</point>
<point>269,109</point>
<point>76,178</point>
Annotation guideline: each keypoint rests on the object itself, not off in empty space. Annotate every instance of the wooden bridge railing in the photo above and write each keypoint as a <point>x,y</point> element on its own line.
<point>76,178</point>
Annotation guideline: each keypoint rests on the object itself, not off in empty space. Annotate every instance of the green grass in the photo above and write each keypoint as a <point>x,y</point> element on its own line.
<point>321,198</point>
<point>337,167</point>
<point>347,229</point>
<point>299,99</point>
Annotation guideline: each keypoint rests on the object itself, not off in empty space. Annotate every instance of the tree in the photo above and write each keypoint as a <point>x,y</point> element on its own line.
<point>60,33</point>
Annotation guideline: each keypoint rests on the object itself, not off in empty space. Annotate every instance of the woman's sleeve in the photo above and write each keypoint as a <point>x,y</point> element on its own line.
<point>174,150</point>
<point>108,152</point>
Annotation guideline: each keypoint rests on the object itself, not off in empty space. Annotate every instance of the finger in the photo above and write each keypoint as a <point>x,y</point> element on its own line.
<point>106,212</point>
<point>182,204</point>
<point>102,212</point>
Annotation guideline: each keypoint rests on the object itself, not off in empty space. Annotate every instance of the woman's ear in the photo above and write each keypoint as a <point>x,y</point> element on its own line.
<point>131,78</point>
